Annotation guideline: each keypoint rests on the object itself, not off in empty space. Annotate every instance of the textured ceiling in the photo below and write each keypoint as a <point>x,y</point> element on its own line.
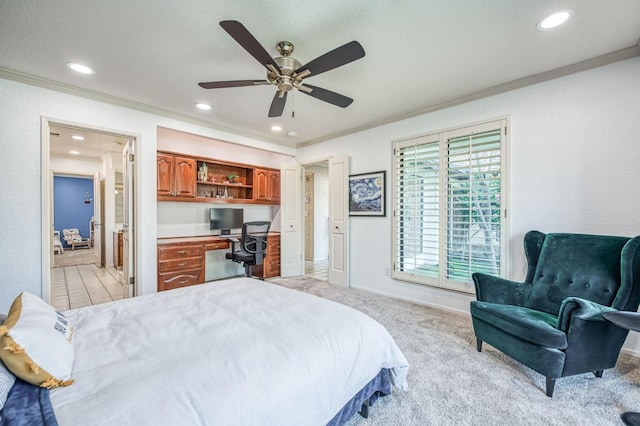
<point>420,54</point>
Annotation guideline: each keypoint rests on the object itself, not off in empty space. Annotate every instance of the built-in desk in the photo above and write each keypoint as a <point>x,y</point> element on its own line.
<point>184,261</point>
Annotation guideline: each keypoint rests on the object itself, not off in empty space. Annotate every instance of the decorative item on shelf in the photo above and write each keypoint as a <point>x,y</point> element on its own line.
<point>226,193</point>
<point>203,171</point>
<point>232,178</point>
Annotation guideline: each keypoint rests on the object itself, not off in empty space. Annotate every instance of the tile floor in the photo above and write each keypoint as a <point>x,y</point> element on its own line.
<point>83,285</point>
<point>318,269</point>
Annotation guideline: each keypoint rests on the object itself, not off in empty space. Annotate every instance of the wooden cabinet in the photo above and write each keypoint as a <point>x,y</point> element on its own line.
<point>225,182</point>
<point>117,249</point>
<point>180,265</point>
<point>271,264</point>
<point>267,185</point>
<point>176,176</point>
<point>185,178</point>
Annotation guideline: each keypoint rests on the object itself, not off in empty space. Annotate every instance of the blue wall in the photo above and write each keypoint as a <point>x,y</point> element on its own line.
<point>69,207</point>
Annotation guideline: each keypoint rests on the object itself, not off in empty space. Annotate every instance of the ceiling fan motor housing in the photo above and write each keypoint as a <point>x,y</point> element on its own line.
<point>285,81</point>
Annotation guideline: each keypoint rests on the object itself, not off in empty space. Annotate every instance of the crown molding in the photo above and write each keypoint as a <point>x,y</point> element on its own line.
<point>33,80</point>
<point>599,61</point>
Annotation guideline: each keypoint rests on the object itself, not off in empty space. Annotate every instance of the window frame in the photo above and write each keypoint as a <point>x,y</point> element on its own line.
<point>442,139</point>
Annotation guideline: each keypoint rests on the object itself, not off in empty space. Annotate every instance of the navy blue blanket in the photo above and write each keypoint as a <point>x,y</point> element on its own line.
<point>28,405</point>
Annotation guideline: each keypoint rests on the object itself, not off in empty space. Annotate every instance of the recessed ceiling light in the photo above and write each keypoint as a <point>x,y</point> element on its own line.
<point>204,107</point>
<point>77,137</point>
<point>276,128</point>
<point>82,69</point>
<point>292,134</point>
<point>554,20</point>
<point>74,152</point>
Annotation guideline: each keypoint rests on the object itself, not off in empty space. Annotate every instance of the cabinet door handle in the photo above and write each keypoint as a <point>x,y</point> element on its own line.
<point>182,282</point>
<point>182,252</point>
<point>182,264</point>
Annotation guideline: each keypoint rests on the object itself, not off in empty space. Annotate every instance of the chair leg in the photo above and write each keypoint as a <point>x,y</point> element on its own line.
<point>598,373</point>
<point>551,383</point>
<point>479,344</point>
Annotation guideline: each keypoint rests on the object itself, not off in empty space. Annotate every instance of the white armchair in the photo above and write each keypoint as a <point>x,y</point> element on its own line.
<point>73,238</point>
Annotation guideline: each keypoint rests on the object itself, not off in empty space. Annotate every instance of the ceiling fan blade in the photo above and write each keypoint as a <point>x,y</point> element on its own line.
<point>277,105</point>
<point>248,42</point>
<point>336,58</point>
<point>327,96</point>
<point>234,83</point>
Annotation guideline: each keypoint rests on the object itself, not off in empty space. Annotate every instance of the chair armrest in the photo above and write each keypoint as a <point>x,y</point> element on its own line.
<point>586,310</point>
<point>492,289</point>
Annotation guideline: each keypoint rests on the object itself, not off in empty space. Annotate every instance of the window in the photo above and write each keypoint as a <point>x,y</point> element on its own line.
<point>449,198</point>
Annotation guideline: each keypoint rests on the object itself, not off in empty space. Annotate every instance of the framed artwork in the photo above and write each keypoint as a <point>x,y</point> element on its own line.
<point>367,194</point>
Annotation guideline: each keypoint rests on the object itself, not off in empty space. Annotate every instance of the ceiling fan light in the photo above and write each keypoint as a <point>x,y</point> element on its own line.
<point>80,68</point>
<point>554,20</point>
<point>276,128</point>
<point>203,106</point>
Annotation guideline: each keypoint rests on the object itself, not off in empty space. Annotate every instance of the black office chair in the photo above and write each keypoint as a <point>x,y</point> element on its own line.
<point>253,245</point>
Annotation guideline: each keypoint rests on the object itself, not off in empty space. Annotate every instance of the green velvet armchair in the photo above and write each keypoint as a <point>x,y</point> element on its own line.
<point>552,322</point>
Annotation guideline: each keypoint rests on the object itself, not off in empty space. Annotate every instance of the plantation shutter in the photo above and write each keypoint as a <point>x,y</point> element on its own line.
<point>417,208</point>
<point>448,206</point>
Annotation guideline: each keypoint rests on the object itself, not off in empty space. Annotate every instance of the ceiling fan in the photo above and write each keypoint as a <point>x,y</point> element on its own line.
<point>285,72</point>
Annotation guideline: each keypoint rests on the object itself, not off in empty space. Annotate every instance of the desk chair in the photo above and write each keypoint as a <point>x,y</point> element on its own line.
<point>253,245</point>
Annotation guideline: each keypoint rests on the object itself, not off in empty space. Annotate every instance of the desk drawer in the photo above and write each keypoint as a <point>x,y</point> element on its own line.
<point>218,245</point>
<point>170,252</point>
<point>173,280</point>
<point>175,265</point>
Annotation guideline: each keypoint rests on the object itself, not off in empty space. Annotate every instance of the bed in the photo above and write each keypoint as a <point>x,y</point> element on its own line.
<point>231,352</point>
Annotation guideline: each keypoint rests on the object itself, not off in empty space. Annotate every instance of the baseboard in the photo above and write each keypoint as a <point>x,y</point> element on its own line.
<point>416,301</point>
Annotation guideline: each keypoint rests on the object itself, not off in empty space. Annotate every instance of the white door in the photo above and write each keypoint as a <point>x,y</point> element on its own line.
<point>130,287</point>
<point>291,220</point>
<point>97,220</point>
<point>339,221</point>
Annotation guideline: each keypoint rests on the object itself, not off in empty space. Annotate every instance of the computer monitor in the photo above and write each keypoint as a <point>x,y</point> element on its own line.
<point>226,219</point>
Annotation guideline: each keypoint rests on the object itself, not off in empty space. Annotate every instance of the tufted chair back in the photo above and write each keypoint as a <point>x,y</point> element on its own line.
<point>573,265</point>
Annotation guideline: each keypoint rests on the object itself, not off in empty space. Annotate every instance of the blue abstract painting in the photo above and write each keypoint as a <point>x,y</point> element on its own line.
<point>366,194</point>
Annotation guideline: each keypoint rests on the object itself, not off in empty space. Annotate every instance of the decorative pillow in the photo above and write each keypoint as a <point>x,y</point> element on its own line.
<point>35,343</point>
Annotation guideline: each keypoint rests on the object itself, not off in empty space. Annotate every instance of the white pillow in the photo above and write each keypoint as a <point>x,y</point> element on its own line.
<point>35,343</point>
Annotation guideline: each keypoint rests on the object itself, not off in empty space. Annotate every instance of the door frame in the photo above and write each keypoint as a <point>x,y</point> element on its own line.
<point>46,185</point>
<point>342,277</point>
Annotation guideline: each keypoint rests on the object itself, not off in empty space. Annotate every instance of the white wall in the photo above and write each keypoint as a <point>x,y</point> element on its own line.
<point>22,107</point>
<point>574,167</point>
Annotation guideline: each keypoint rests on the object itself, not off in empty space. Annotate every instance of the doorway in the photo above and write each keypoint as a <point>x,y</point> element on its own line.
<point>89,274</point>
<point>316,220</point>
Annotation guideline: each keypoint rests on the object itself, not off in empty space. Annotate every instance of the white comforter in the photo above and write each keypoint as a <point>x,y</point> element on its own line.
<point>233,352</point>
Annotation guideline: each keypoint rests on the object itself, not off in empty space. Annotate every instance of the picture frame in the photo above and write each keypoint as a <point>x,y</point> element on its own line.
<point>367,194</point>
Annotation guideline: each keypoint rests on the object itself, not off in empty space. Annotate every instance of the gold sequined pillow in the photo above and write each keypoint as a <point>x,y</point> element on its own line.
<point>36,343</point>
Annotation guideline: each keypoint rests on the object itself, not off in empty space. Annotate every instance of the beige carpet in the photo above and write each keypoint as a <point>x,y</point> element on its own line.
<point>79,256</point>
<point>453,384</point>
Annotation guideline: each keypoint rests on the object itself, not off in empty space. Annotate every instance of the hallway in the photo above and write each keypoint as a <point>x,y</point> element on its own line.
<point>83,285</point>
